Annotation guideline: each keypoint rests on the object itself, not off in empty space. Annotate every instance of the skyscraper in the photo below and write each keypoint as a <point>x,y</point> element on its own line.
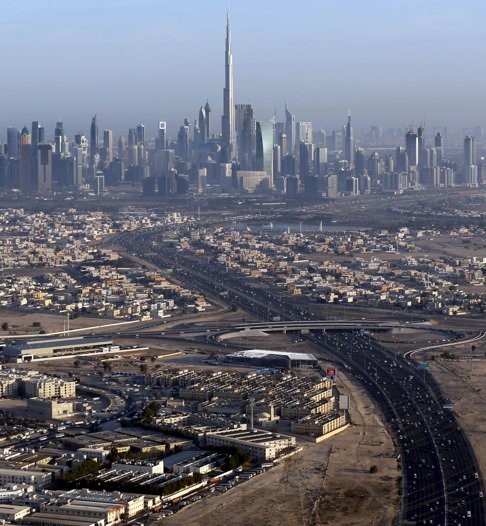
<point>349,143</point>
<point>439,147</point>
<point>469,151</point>
<point>108,146</point>
<point>25,166</point>
<point>290,130</point>
<point>93,140</point>
<point>44,168</point>
<point>264,149</point>
<point>161,141</point>
<point>228,119</point>
<point>59,139</point>
<point>245,130</point>
<point>37,135</point>
<point>140,133</point>
<point>13,142</point>
<point>411,145</point>
<point>202,125</point>
<point>470,167</point>
<point>207,109</point>
<point>304,133</point>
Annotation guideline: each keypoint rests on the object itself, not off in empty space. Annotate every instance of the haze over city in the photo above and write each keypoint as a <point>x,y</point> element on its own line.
<point>242,263</point>
<point>390,63</point>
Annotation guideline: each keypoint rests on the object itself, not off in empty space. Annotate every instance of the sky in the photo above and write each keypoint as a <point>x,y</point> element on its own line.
<point>390,63</point>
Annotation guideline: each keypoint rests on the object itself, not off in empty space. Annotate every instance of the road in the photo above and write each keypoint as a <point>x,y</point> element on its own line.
<point>441,482</point>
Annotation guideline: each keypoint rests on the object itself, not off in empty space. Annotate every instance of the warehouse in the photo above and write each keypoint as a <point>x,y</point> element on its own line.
<point>263,358</point>
<point>38,348</point>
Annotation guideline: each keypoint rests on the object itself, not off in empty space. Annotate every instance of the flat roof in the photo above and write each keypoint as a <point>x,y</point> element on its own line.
<point>261,353</point>
<point>10,508</point>
<point>55,342</point>
<point>55,518</point>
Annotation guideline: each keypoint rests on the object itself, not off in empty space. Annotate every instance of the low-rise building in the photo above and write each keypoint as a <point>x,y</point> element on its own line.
<point>38,479</point>
<point>49,409</point>
<point>260,444</point>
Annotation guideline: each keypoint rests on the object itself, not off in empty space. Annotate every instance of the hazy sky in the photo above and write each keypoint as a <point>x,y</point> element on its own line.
<point>391,62</point>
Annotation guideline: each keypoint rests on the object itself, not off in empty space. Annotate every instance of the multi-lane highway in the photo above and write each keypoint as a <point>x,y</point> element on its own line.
<point>441,484</point>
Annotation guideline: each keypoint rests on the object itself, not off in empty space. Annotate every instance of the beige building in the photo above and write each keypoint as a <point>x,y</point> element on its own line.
<point>9,386</point>
<point>49,409</point>
<point>319,426</point>
<point>9,512</point>
<point>86,509</point>
<point>38,479</point>
<point>260,444</point>
<point>49,387</point>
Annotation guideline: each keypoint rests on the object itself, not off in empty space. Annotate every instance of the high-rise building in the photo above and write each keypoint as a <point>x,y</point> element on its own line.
<point>12,142</point>
<point>183,147</point>
<point>121,147</point>
<point>349,143</point>
<point>25,163</point>
<point>108,146</point>
<point>421,146</point>
<point>304,132</point>
<point>264,149</point>
<point>161,141</point>
<point>140,134</point>
<point>305,159</point>
<point>59,139</point>
<point>228,141</point>
<point>289,131</point>
<point>470,166</point>
<point>44,168</point>
<point>439,148</point>
<point>37,135</point>
<point>469,151</point>
<point>245,134</point>
<point>201,122</point>
<point>207,111</point>
<point>93,140</point>
<point>412,145</point>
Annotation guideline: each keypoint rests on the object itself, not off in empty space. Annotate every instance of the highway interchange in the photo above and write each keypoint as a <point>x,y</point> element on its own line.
<point>441,481</point>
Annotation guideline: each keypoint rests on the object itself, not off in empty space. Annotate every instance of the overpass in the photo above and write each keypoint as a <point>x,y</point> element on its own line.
<point>304,326</point>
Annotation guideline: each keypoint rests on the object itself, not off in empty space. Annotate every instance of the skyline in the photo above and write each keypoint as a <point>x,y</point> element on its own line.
<point>89,62</point>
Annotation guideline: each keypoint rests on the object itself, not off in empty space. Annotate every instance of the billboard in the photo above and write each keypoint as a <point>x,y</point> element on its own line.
<point>343,401</point>
<point>331,373</point>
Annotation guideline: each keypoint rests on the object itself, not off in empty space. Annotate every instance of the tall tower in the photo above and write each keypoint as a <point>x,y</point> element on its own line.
<point>93,140</point>
<point>349,143</point>
<point>228,119</point>
<point>412,145</point>
<point>290,130</point>
<point>108,146</point>
<point>44,168</point>
<point>207,110</point>
<point>470,167</point>
<point>25,168</point>
<point>202,125</point>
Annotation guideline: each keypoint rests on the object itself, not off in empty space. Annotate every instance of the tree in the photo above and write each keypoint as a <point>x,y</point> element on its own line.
<point>144,368</point>
<point>5,326</point>
<point>373,469</point>
<point>76,364</point>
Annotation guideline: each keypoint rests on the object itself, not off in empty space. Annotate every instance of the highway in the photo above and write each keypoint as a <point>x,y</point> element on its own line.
<point>442,483</point>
